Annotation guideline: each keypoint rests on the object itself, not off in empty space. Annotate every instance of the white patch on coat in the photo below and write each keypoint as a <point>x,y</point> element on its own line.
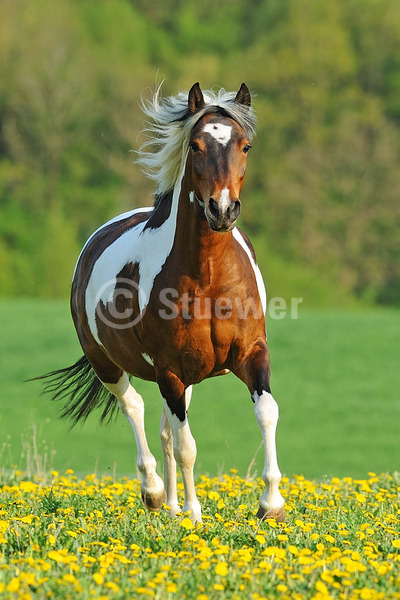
<point>149,248</point>
<point>222,133</point>
<point>257,273</point>
<point>121,217</point>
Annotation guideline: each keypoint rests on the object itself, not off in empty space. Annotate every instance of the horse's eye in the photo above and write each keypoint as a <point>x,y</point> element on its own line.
<point>194,146</point>
<point>246,148</point>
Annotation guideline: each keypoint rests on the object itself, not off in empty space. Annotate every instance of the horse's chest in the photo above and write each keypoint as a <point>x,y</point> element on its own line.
<point>187,345</point>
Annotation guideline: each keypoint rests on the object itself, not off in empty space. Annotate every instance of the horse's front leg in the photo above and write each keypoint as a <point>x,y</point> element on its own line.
<point>255,372</point>
<point>175,402</point>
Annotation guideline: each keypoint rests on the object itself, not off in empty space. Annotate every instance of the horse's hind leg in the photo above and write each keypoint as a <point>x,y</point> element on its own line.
<point>131,404</point>
<point>167,446</point>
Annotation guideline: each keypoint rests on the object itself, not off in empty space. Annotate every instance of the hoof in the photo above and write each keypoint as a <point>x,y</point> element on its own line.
<point>274,513</point>
<point>174,510</point>
<point>153,501</point>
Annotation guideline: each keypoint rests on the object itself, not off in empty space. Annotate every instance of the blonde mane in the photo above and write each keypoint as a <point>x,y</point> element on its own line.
<point>163,155</point>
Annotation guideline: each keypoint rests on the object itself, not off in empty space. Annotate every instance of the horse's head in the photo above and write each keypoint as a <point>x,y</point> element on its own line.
<point>217,158</point>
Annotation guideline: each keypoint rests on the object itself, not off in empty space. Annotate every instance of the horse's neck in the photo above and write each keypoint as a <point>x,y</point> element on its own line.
<point>200,247</point>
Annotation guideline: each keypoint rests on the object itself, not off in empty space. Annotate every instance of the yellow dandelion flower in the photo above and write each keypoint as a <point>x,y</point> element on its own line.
<point>321,587</point>
<point>281,587</point>
<point>72,534</point>
<point>14,585</point>
<point>261,539</point>
<point>4,526</point>
<point>28,486</point>
<point>329,538</point>
<point>360,497</point>
<point>213,495</point>
<point>367,594</point>
<point>112,586</point>
<point>221,568</point>
<point>327,577</point>
<point>55,555</point>
<point>187,523</point>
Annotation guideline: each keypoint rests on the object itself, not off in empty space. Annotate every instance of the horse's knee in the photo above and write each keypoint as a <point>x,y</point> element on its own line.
<point>185,451</point>
<point>266,409</point>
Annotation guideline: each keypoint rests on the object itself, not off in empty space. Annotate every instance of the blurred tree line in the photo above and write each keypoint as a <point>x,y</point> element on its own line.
<point>321,198</point>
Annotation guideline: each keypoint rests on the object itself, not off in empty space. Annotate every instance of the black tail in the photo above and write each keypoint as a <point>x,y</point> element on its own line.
<point>83,390</point>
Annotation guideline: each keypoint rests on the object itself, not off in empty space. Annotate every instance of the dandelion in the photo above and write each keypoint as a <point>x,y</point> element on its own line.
<point>221,568</point>
<point>99,538</point>
<point>98,578</point>
<point>187,523</point>
<point>14,585</point>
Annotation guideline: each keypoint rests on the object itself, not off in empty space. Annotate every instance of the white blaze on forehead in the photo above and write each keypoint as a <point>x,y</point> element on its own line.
<point>222,133</point>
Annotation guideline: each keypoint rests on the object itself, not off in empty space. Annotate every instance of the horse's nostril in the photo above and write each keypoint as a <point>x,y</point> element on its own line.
<point>213,208</point>
<point>235,210</point>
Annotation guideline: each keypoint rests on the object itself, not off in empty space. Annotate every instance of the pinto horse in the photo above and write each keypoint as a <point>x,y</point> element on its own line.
<point>173,294</point>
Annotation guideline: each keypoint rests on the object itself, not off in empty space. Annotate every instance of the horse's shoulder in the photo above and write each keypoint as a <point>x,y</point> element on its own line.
<point>107,234</point>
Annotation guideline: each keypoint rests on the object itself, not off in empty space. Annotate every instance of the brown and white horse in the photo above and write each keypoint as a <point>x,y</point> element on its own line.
<point>173,294</point>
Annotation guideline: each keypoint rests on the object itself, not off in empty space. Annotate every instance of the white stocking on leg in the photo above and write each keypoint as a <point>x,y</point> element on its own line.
<point>131,404</point>
<point>272,504</point>
<point>167,446</point>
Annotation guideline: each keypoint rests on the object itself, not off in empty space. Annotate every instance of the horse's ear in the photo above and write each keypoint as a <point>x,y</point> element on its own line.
<point>195,100</point>
<point>243,96</point>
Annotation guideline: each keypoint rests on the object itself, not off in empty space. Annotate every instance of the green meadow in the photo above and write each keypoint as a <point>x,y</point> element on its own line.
<point>335,376</point>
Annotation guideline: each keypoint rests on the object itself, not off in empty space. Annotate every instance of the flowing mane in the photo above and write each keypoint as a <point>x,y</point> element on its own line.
<point>163,155</point>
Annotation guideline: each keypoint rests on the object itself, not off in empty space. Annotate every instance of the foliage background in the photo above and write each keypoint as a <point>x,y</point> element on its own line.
<point>321,194</point>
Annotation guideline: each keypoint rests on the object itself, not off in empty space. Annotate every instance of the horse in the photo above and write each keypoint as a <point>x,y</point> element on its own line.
<point>172,294</point>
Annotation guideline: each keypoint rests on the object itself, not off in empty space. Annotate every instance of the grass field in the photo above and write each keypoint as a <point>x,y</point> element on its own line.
<point>68,538</point>
<point>335,376</point>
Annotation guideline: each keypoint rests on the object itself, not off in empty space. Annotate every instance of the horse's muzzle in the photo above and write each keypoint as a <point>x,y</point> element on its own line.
<point>222,216</point>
